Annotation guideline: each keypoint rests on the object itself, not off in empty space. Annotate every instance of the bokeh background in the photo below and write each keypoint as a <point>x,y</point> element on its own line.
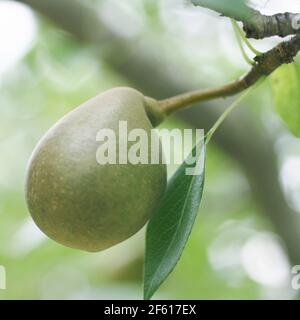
<point>55,54</point>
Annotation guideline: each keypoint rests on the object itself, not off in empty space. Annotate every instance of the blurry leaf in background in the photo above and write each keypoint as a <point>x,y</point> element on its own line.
<point>286,96</point>
<point>226,7</point>
<point>170,227</point>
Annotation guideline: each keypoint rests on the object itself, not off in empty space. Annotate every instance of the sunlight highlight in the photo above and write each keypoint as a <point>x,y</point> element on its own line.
<point>17,33</point>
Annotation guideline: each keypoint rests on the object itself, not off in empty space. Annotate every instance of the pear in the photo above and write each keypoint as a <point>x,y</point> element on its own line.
<point>83,204</point>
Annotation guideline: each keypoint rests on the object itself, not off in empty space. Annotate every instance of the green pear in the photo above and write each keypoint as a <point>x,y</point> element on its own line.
<point>83,204</point>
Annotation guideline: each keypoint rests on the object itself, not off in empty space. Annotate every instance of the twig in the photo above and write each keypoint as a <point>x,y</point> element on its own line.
<point>246,41</point>
<point>256,25</point>
<point>264,65</point>
<point>240,43</point>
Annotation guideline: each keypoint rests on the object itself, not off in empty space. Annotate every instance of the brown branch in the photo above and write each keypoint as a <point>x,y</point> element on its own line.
<point>256,25</point>
<point>260,26</point>
<point>264,65</point>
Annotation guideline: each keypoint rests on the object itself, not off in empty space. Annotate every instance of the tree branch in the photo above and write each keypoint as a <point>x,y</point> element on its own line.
<point>256,25</point>
<point>265,65</point>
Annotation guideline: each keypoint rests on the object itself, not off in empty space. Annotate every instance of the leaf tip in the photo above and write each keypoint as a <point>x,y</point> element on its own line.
<point>148,293</point>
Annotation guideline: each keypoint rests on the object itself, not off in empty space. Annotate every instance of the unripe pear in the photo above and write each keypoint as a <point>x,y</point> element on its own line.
<point>77,201</point>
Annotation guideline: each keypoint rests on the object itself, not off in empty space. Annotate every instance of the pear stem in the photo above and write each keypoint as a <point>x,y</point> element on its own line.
<point>180,101</point>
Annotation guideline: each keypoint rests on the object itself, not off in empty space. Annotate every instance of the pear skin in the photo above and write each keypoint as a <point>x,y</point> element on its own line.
<point>83,204</point>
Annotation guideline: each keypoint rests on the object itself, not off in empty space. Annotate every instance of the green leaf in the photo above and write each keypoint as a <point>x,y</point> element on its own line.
<point>229,8</point>
<point>170,227</point>
<point>286,96</point>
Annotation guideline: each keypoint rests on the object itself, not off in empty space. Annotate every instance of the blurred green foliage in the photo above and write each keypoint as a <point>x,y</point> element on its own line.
<point>57,75</point>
